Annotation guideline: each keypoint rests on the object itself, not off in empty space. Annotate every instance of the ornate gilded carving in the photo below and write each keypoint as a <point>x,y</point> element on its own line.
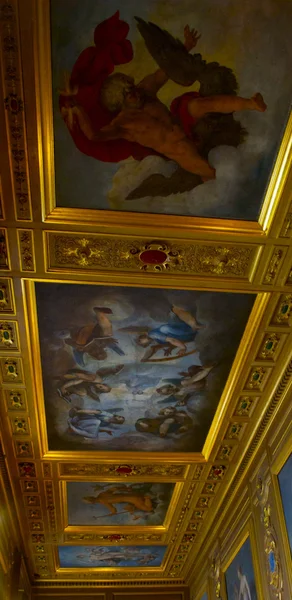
<point>32,500</point>
<point>246,406</point>
<point>274,265</point>
<point>209,488</point>
<point>272,554</point>
<point>26,469</point>
<point>47,470</point>
<point>123,470</point>
<point>93,252</point>
<point>256,378</point>
<point>8,335</point>
<point>234,261</point>
<point>286,230</point>
<point>23,449</point>
<point>203,502</point>
<point>30,486</point>
<point>198,472</point>
<point>37,537</point>
<point>216,576</point>
<point>225,452</point>
<point>15,119</point>
<point>16,399</point>
<point>34,513</point>
<point>217,472</point>
<point>269,345</point>
<point>20,426</point>
<point>50,503</point>
<point>6,299</point>
<point>284,309</point>
<point>11,369</point>
<point>289,278</point>
<point>4,260</point>
<point>234,431</point>
<point>26,249</point>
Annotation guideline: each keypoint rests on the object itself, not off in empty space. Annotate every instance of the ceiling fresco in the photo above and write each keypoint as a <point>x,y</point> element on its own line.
<point>145,288</point>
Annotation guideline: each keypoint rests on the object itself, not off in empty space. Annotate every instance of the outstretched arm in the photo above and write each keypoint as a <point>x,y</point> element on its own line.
<point>154,82</point>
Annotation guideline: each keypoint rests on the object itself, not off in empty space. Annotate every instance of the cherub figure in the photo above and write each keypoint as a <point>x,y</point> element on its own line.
<point>130,119</point>
<point>180,329</point>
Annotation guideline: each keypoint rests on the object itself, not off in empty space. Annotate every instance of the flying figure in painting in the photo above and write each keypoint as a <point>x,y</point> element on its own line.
<point>180,390</point>
<point>88,423</point>
<point>84,383</point>
<point>180,329</point>
<point>134,500</point>
<point>110,117</point>
<point>113,556</point>
<point>93,339</point>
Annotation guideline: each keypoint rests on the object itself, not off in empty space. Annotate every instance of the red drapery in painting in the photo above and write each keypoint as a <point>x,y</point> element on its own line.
<point>92,67</point>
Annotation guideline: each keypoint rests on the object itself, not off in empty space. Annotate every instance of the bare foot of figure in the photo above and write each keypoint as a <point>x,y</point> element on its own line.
<point>259,102</point>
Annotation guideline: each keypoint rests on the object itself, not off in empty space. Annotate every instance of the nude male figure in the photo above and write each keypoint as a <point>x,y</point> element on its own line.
<point>144,119</point>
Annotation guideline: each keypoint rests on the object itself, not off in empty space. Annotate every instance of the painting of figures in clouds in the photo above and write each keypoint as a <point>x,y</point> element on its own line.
<point>193,130</point>
<point>135,369</point>
<point>118,503</point>
<point>110,556</point>
<point>240,578</point>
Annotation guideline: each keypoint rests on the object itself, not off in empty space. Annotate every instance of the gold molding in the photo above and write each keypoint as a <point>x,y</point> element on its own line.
<point>15,117</point>
<point>69,252</point>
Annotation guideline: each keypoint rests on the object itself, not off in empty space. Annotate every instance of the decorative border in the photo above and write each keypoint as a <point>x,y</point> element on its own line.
<point>26,250</point>
<point>93,252</point>
<point>121,470</point>
<point>14,105</point>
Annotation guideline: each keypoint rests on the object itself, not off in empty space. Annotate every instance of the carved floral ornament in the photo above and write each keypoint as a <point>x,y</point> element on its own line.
<point>270,543</point>
<point>93,252</point>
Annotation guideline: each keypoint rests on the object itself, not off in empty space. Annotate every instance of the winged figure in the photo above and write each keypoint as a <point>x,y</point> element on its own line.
<point>180,329</point>
<point>93,339</point>
<point>84,383</point>
<point>111,117</point>
<point>180,390</point>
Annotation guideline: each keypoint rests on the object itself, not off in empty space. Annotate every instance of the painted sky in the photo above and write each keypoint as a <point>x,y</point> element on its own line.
<point>285,482</point>
<point>110,556</point>
<point>82,513</point>
<point>133,392</point>
<point>242,560</point>
<point>252,38</point>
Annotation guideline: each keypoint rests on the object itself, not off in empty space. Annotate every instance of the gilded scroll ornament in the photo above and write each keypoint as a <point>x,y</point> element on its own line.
<point>273,561</point>
<point>216,576</point>
<point>123,470</point>
<point>273,266</point>
<point>26,249</point>
<point>93,252</point>
<point>16,128</point>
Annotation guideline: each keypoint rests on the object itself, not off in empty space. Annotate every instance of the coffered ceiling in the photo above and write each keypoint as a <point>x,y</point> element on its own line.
<point>142,354</point>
